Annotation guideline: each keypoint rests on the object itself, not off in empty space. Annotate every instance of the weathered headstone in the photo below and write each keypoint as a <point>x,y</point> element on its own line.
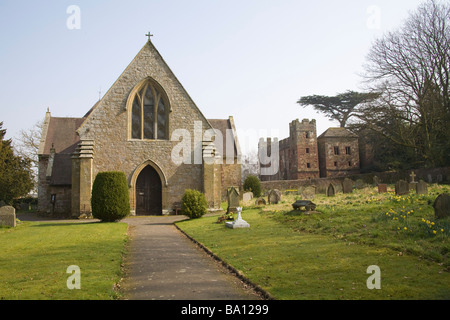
<point>8,216</point>
<point>430,179</point>
<point>233,199</point>
<point>308,193</point>
<point>260,202</point>
<point>330,190</point>
<point>274,196</point>
<point>347,185</point>
<point>247,196</point>
<point>422,187</point>
<point>359,184</point>
<point>239,222</point>
<point>376,181</point>
<point>442,206</point>
<point>382,188</point>
<point>401,187</point>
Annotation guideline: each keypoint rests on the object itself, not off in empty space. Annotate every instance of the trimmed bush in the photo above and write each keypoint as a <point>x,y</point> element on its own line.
<point>194,204</point>
<point>253,184</point>
<point>110,199</point>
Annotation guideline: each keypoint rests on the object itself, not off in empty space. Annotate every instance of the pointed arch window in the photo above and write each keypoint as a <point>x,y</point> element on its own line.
<point>149,113</point>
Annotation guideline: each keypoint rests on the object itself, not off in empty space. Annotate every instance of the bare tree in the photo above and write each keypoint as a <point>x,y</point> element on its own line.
<point>26,145</point>
<point>410,67</point>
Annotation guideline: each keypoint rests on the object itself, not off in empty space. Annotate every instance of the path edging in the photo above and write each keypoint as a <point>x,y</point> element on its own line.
<point>265,295</point>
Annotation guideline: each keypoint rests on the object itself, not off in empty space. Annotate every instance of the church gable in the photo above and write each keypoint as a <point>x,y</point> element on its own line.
<point>130,130</point>
<point>115,110</point>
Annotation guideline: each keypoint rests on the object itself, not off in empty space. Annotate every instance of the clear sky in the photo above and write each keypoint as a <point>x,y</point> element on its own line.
<point>252,59</point>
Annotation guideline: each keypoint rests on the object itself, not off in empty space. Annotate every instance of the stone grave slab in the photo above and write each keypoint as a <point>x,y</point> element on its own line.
<point>8,216</point>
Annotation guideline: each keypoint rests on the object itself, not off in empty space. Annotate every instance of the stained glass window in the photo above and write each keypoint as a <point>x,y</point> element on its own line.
<point>149,114</point>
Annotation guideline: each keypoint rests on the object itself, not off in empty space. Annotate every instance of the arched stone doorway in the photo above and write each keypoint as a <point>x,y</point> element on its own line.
<point>148,192</point>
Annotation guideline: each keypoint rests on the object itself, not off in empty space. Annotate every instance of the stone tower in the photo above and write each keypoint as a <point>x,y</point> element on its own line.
<point>299,158</point>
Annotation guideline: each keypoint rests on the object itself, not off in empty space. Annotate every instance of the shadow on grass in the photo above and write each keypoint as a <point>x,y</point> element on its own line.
<point>65,224</point>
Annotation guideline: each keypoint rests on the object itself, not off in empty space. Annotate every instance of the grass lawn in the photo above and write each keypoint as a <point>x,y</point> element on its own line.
<point>325,254</point>
<point>35,256</point>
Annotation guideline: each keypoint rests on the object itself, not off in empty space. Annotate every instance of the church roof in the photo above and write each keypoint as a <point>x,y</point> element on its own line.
<point>223,125</point>
<point>61,135</point>
<point>337,133</point>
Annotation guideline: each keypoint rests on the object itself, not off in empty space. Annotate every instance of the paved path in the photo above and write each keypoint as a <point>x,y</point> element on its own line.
<point>163,264</point>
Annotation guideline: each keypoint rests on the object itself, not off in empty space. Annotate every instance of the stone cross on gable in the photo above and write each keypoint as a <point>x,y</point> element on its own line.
<point>412,175</point>
<point>149,35</point>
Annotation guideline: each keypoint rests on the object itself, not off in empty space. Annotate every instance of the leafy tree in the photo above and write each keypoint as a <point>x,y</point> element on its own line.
<point>15,172</point>
<point>340,107</point>
<point>410,67</point>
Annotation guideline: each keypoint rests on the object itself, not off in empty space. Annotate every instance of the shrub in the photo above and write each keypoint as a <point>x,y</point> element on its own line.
<point>110,199</point>
<point>253,184</point>
<point>194,204</point>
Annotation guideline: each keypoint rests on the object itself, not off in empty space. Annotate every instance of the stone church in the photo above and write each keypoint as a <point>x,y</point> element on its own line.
<point>148,127</point>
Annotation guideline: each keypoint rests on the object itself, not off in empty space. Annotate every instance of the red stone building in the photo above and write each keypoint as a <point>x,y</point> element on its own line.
<point>303,155</point>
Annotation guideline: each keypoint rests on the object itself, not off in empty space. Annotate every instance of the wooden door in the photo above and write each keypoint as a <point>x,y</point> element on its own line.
<point>148,193</point>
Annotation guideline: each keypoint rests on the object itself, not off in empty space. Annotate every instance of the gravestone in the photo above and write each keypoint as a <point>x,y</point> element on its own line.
<point>442,206</point>
<point>401,187</point>
<point>260,202</point>
<point>422,187</point>
<point>413,176</point>
<point>8,216</point>
<point>308,193</point>
<point>439,178</point>
<point>376,181</point>
<point>430,179</point>
<point>233,199</point>
<point>274,196</point>
<point>359,184</point>
<point>247,196</point>
<point>239,222</point>
<point>330,190</point>
<point>347,185</point>
<point>382,188</point>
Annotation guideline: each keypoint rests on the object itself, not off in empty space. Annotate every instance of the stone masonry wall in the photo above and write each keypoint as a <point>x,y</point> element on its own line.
<point>108,125</point>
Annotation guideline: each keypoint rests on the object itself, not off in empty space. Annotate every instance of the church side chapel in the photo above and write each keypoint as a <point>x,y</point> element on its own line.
<point>131,130</point>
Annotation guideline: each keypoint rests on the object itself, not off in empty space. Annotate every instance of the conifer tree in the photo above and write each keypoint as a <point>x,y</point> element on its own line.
<point>15,172</point>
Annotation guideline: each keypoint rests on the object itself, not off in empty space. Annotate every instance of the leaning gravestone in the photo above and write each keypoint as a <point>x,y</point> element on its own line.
<point>274,196</point>
<point>401,187</point>
<point>422,187</point>
<point>330,190</point>
<point>247,196</point>
<point>233,199</point>
<point>8,216</point>
<point>260,202</point>
<point>347,185</point>
<point>308,193</point>
<point>442,206</point>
